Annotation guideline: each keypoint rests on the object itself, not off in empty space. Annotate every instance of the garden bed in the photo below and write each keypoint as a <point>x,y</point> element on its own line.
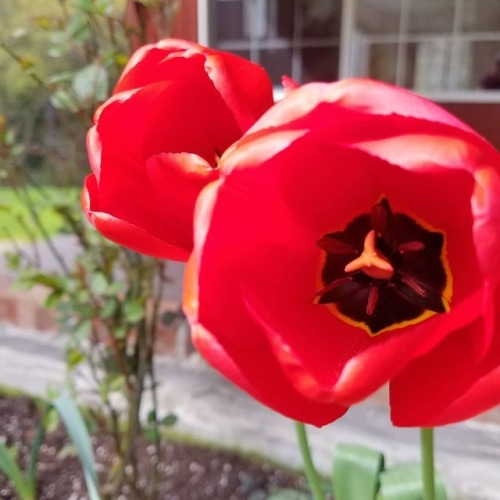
<point>186,472</point>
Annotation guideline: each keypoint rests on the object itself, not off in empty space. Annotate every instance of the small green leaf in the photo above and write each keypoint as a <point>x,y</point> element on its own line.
<point>404,482</point>
<point>53,299</point>
<point>151,417</point>
<point>98,284</point>
<point>48,280</point>
<point>91,83</point>
<point>356,472</point>
<point>109,309</point>
<point>114,288</point>
<point>62,99</point>
<point>74,357</point>
<point>82,329</point>
<point>13,260</point>
<point>169,420</point>
<point>133,311</point>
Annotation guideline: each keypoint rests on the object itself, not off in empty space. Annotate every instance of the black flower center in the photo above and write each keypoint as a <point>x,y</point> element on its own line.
<point>385,271</point>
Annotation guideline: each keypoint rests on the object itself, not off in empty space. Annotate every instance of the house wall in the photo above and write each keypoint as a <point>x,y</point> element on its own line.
<point>185,25</point>
<point>483,117</point>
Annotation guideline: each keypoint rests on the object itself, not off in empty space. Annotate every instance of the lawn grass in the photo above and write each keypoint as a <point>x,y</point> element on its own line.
<point>16,221</point>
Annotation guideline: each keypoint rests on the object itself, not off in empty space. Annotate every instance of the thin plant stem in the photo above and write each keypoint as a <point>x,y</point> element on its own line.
<point>310,471</point>
<point>427,451</point>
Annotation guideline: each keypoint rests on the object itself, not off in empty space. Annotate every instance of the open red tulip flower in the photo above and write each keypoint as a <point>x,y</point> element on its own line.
<point>353,239</point>
<point>158,140</point>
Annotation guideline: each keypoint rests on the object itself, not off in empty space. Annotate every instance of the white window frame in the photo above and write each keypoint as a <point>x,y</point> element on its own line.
<point>254,45</point>
<point>351,44</point>
<point>403,37</point>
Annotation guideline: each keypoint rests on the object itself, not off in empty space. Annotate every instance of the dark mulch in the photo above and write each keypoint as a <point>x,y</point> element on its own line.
<point>187,472</point>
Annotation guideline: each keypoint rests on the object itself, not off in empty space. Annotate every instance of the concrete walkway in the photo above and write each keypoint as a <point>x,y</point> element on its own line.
<point>468,454</point>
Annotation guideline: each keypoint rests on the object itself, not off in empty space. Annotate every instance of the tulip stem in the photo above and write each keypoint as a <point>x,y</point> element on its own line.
<point>427,451</point>
<point>310,471</point>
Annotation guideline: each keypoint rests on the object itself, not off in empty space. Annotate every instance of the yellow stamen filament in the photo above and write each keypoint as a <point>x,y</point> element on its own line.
<point>371,262</point>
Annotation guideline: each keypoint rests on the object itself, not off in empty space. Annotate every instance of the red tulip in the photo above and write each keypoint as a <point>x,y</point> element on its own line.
<point>352,240</point>
<point>158,140</point>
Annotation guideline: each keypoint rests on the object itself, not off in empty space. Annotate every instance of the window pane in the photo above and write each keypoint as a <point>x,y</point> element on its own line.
<point>229,20</point>
<point>481,15</point>
<point>382,61</point>
<point>483,64</point>
<point>320,18</point>
<point>285,14</point>
<point>432,60</point>
<point>431,16</point>
<point>320,64</point>
<point>378,16</point>
<point>277,63</point>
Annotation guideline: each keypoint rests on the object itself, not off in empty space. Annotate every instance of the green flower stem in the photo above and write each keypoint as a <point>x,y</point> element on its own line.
<point>427,451</point>
<point>311,474</point>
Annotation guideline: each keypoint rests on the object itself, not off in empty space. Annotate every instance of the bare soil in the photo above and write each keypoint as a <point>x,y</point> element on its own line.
<point>186,472</point>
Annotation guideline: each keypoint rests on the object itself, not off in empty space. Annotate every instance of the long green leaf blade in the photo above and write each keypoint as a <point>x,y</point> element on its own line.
<point>9,467</point>
<point>404,482</point>
<point>78,433</point>
<point>35,448</point>
<point>356,472</point>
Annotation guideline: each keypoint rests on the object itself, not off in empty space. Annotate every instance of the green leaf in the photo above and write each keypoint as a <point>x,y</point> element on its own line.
<point>34,451</point>
<point>98,284</point>
<point>9,467</point>
<point>288,494</point>
<point>404,482</point>
<point>72,418</point>
<point>82,329</point>
<point>151,417</point>
<point>109,309</point>
<point>114,288</point>
<point>50,281</point>
<point>53,299</point>
<point>169,420</point>
<point>91,83</point>
<point>133,311</point>
<point>13,260</point>
<point>356,471</point>
<point>62,99</point>
<point>74,357</point>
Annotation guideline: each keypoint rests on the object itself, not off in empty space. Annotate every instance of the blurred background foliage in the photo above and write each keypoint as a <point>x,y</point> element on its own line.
<point>59,60</point>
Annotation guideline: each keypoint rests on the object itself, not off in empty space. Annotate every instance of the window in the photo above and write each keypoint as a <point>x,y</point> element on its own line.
<point>299,38</point>
<point>431,46</point>
<point>447,49</point>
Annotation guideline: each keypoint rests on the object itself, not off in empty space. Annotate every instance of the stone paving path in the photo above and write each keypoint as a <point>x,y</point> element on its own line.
<point>468,454</point>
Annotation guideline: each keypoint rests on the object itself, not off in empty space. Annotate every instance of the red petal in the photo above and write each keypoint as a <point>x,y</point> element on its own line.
<point>450,383</point>
<point>289,84</point>
<point>165,117</point>
<point>123,232</point>
<point>486,210</point>
<point>363,96</point>
<point>311,188</point>
<point>144,65</point>
<point>245,87</point>
<point>256,371</point>
<point>94,151</point>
